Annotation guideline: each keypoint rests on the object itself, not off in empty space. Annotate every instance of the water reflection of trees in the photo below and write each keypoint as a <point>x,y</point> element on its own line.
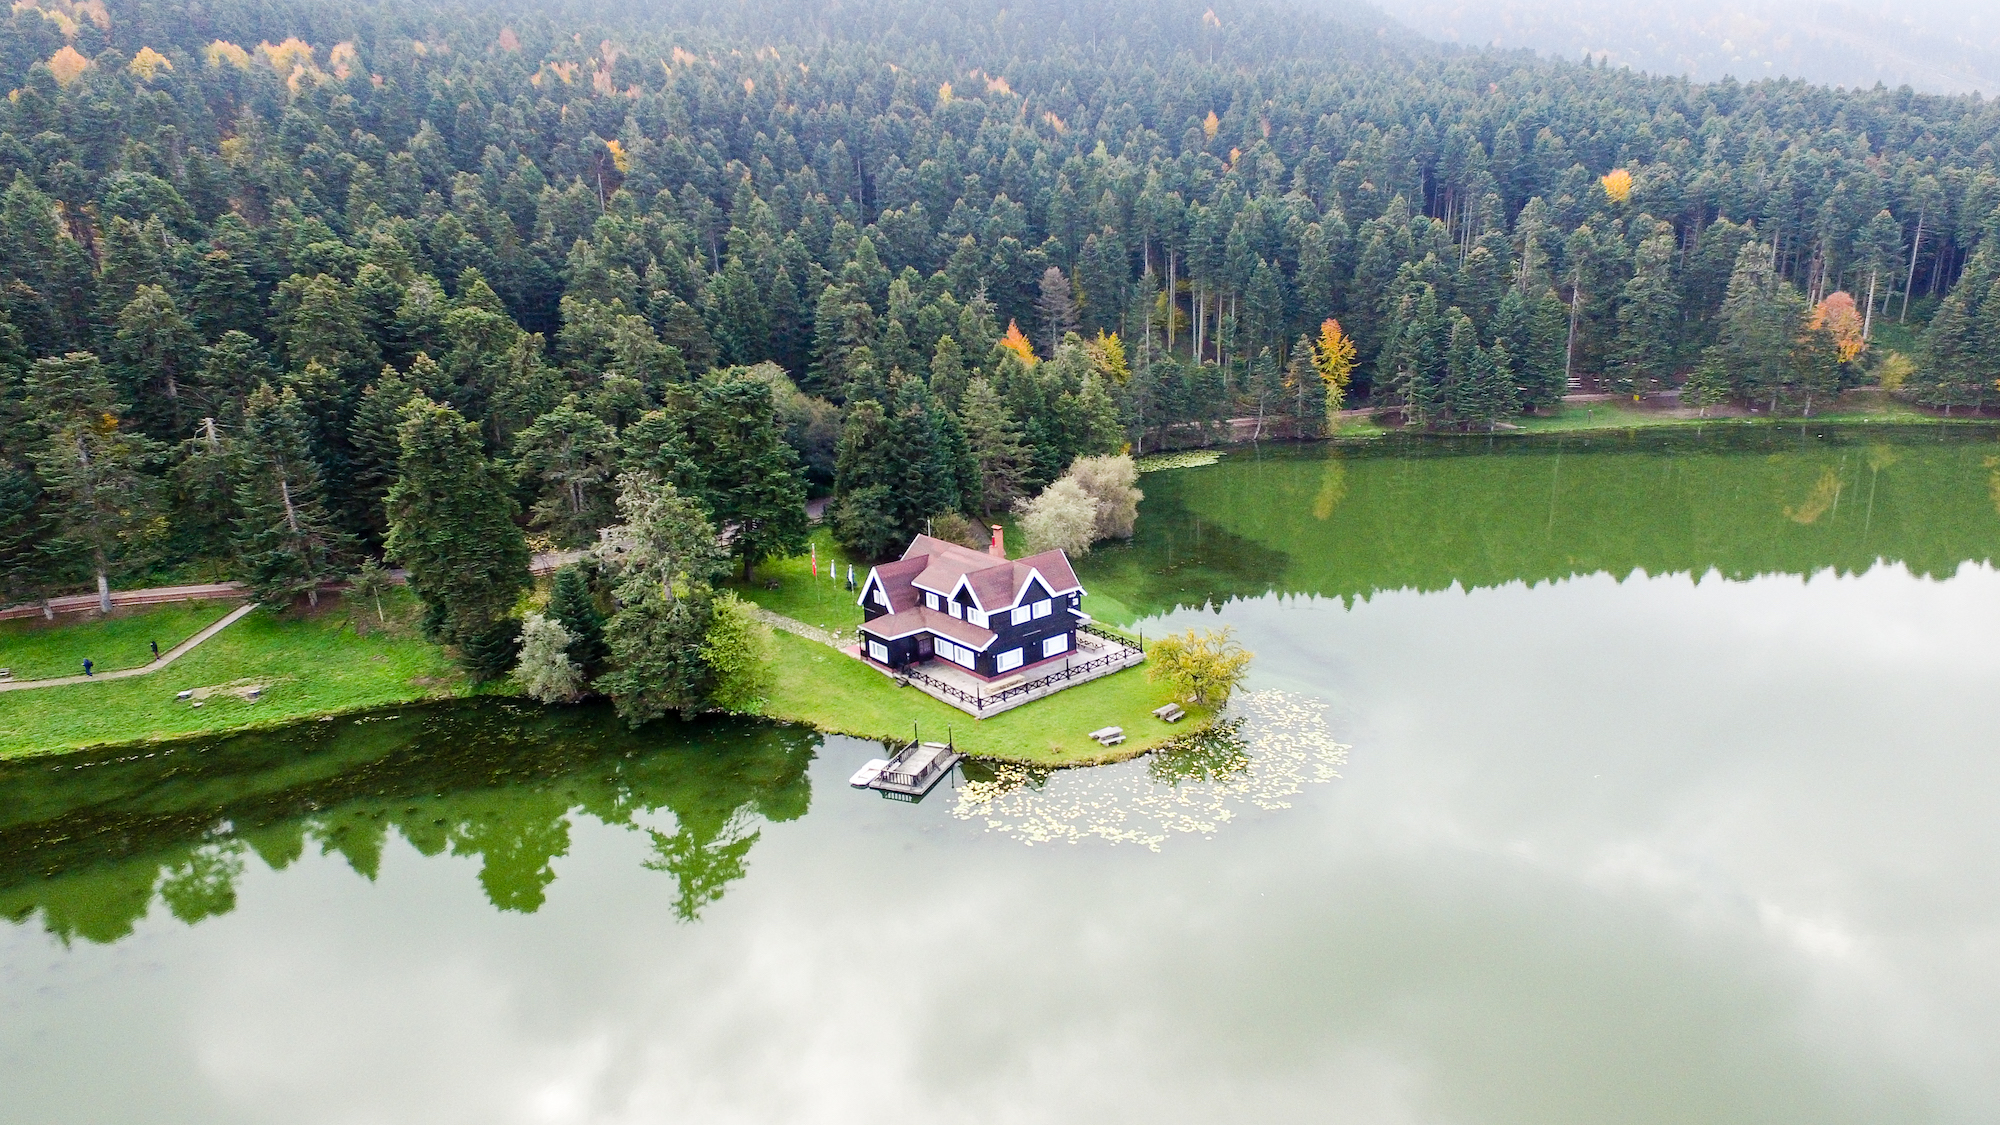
<point>90,842</point>
<point>1428,514</point>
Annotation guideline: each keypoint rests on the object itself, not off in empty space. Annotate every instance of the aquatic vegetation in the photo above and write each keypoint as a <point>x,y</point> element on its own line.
<point>1272,745</point>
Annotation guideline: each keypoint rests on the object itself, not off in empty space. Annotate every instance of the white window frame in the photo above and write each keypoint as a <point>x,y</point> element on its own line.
<point>953,651</point>
<point>1022,614</point>
<point>976,616</point>
<point>933,601</point>
<point>1007,661</point>
<point>956,609</point>
<point>881,596</point>
<point>1043,608</point>
<point>878,652</point>
<point>1055,646</point>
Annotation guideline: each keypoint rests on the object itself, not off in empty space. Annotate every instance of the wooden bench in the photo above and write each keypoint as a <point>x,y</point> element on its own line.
<point>1109,736</point>
<point>1171,713</point>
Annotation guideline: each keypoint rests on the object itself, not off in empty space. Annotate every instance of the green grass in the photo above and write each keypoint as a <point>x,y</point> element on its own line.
<point>823,601</point>
<point>835,692</point>
<point>313,665</point>
<point>38,649</point>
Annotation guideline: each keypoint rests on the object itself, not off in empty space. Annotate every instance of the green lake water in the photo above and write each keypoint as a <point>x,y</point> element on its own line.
<point>1620,779</point>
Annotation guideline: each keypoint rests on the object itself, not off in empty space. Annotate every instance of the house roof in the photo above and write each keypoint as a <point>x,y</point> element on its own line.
<point>996,584</point>
<point>891,626</point>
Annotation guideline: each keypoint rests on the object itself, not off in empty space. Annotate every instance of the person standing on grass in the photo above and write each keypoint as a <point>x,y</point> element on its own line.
<point>156,649</point>
<point>86,665</point>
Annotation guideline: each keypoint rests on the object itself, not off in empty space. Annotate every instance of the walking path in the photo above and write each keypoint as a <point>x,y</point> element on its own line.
<point>544,563</point>
<point>171,655</point>
<point>793,625</point>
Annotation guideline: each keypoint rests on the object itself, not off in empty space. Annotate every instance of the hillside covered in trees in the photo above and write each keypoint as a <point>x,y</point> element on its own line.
<point>278,275</point>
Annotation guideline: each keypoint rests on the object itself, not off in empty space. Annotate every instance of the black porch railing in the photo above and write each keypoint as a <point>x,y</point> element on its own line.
<point>980,703</point>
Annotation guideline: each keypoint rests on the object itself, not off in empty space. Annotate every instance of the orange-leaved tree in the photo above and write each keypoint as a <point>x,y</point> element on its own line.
<point>1014,342</point>
<point>1838,317</point>
<point>1617,184</point>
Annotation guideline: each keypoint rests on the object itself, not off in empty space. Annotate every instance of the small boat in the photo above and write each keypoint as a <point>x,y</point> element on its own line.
<point>868,773</point>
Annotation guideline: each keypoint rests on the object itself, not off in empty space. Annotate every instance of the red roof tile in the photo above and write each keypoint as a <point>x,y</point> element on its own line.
<point>891,626</point>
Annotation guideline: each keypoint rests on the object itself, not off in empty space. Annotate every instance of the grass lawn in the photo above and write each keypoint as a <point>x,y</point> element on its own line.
<point>823,601</point>
<point>835,692</point>
<point>38,649</point>
<point>307,665</point>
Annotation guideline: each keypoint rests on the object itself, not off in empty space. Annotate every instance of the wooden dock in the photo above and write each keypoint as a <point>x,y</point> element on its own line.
<point>916,769</point>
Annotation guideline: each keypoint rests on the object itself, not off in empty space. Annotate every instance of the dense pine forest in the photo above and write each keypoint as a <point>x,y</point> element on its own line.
<point>287,285</point>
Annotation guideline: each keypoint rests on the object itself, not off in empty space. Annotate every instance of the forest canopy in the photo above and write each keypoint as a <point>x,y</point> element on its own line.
<point>920,256</point>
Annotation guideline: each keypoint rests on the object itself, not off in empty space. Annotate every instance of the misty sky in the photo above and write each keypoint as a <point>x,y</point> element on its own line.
<point>1941,46</point>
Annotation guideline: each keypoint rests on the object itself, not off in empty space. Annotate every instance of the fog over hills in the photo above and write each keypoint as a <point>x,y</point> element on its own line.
<point>1952,46</point>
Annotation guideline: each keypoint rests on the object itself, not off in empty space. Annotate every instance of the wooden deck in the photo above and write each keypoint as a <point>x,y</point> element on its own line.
<point>917,769</point>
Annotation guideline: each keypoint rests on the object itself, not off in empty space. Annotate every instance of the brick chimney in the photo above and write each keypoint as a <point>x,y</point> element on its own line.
<point>999,547</point>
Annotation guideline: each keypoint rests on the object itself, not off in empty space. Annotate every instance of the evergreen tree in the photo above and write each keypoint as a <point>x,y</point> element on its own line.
<point>1056,309</point>
<point>663,560</point>
<point>995,443</point>
<point>572,605</point>
<point>288,542</point>
<point>568,455</point>
<point>1463,382</point>
<point>103,504</point>
<point>1761,320</point>
<point>154,356</point>
<point>376,447</point>
<point>948,374</point>
<point>753,486</point>
<point>451,526</point>
<point>1540,378</point>
<point>1648,318</point>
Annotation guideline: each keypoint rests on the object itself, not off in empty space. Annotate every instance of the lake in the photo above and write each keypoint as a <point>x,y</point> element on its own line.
<point>1635,778</point>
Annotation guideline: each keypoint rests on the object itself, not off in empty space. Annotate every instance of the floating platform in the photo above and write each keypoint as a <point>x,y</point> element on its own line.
<point>916,769</point>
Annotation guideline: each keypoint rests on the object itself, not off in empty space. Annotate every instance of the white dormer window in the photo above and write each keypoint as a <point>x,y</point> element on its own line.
<point>1043,608</point>
<point>976,616</point>
<point>933,601</point>
<point>881,598</point>
<point>1022,614</point>
<point>957,610</point>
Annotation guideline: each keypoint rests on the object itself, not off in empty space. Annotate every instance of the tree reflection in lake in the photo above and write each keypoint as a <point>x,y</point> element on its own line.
<point>89,841</point>
<point>1427,514</point>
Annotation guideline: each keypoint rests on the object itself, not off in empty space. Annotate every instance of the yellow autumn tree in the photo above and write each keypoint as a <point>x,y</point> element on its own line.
<point>67,64</point>
<point>1210,125</point>
<point>287,56</point>
<point>944,94</point>
<point>1839,318</point>
<point>1617,184</point>
<point>149,62</point>
<point>620,159</point>
<point>224,53</point>
<point>1107,355</point>
<point>1333,358</point>
<point>1014,342</point>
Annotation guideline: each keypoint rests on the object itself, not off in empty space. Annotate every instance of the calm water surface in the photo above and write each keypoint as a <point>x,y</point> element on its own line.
<point>1667,794</point>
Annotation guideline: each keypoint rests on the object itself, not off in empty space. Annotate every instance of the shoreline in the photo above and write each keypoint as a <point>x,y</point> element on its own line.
<point>801,701</point>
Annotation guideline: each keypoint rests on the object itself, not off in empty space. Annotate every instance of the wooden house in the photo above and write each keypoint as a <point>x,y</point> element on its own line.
<point>990,615</point>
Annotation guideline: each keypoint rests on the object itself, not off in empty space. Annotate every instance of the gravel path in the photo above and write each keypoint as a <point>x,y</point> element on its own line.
<point>165,659</point>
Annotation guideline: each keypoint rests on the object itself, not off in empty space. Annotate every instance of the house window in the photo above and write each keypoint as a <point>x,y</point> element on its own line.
<point>881,598</point>
<point>933,601</point>
<point>1043,608</point>
<point>1055,646</point>
<point>957,610</point>
<point>878,651</point>
<point>1022,613</point>
<point>976,616</point>
<point>956,653</point>
<point>1007,661</point>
